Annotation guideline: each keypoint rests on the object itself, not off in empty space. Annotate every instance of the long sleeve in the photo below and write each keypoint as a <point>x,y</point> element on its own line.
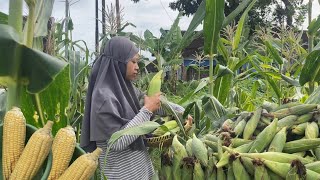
<point>123,142</point>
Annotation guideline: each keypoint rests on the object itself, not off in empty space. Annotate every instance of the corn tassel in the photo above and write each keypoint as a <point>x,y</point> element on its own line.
<point>13,139</point>
<point>83,167</point>
<point>34,154</point>
<point>155,84</point>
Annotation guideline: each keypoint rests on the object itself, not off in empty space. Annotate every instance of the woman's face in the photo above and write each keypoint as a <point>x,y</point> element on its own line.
<point>133,68</point>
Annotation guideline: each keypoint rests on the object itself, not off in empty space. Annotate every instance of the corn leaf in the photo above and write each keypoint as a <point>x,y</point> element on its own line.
<point>54,101</point>
<point>290,80</point>
<point>222,88</point>
<point>274,52</point>
<point>238,35</point>
<point>3,98</point>
<point>203,83</point>
<point>212,25</point>
<point>314,97</point>
<point>37,69</point>
<point>311,68</point>
<point>43,13</point>
<point>3,18</point>
<point>314,26</point>
<point>214,110</point>
<point>236,12</point>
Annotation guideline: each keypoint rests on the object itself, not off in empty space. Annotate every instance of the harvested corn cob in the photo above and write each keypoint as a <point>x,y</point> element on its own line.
<point>14,135</point>
<point>155,84</point>
<point>34,154</point>
<point>62,150</point>
<point>83,167</point>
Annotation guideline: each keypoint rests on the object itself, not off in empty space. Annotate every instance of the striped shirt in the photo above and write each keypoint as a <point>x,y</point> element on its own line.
<point>123,163</point>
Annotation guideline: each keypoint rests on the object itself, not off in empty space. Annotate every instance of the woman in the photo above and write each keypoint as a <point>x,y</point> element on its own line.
<point>112,104</point>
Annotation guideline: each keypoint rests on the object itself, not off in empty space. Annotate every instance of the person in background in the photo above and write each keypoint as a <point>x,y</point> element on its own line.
<point>112,104</point>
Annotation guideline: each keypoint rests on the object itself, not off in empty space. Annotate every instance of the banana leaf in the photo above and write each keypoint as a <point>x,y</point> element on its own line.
<point>37,69</point>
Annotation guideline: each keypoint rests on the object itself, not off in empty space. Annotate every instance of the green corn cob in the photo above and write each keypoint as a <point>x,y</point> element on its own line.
<point>187,169</point>
<point>166,127</point>
<point>301,145</point>
<point>220,174</point>
<point>247,163</point>
<point>239,171</point>
<point>155,84</point>
<point>179,153</point>
<point>265,137</point>
<point>212,145</point>
<point>299,129</point>
<point>236,142</point>
<point>295,110</point>
<point>210,171</point>
<point>199,150</point>
<point>288,105</point>
<point>252,124</point>
<point>238,130</point>
<point>230,173</point>
<point>198,171</point>
<point>304,118</point>
<point>274,176</point>
<point>314,166</point>
<point>276,157</point>
<point>312,130</point>
<point>189,147</point>
<point>211,137</point>
<point>278,141</point>
<point>260,172</point>
<point>287,121</point>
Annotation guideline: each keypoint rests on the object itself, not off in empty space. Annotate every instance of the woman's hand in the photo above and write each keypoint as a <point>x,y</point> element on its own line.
<point>152,103</point>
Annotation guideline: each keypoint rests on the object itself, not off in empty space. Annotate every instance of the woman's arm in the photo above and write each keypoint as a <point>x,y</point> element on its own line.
<point>123,142</point>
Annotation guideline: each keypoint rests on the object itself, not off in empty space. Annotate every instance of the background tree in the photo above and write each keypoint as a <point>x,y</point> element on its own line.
<point>265,12</point>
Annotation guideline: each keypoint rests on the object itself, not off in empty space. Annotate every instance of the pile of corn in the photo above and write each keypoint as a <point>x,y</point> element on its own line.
<point>275,143</point>
<point>23,162</point>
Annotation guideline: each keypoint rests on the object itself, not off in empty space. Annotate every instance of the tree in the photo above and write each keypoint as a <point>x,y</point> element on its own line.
<point>263,13</point>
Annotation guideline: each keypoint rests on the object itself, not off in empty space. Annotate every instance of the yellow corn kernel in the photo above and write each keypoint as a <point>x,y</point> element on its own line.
<point>62,151</point>
<point>13,138</point>
<point>34,154</point>
<point>83,167</point>
<point>155,84</point>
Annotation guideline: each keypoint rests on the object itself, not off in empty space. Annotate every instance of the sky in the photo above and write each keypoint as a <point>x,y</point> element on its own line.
<point>147,14</point>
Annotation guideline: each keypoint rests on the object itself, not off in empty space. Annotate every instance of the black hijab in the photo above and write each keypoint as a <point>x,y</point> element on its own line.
<point>111,101</point>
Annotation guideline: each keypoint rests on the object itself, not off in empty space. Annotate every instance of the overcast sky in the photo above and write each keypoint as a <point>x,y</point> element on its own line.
<point>147,14</point>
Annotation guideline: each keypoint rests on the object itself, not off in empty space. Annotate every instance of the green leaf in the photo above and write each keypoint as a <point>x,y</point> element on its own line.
<point>3,18</point>
<point>169,110</point>
<point>314,26</point>
<point>238,35</point>
<point>37,69</point>
<point>198,17</point>
<point>149,39</point>
<point>290,80</point>
<point>222,71</point>
<point>274,52</point>
<point>236,12</point>
<point>3,98</point>
<point>222,88</point>
<point>197,113</point>
<point>54,102</point>
<point>212,25</point>
<point>311,68</point>
<point>168,37</point>
<point>213,109</point>
<point>142,129</point>
<point>314,97</point>
<point>43,13</point>
<point>241,63</point>
<point>202,84</point>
